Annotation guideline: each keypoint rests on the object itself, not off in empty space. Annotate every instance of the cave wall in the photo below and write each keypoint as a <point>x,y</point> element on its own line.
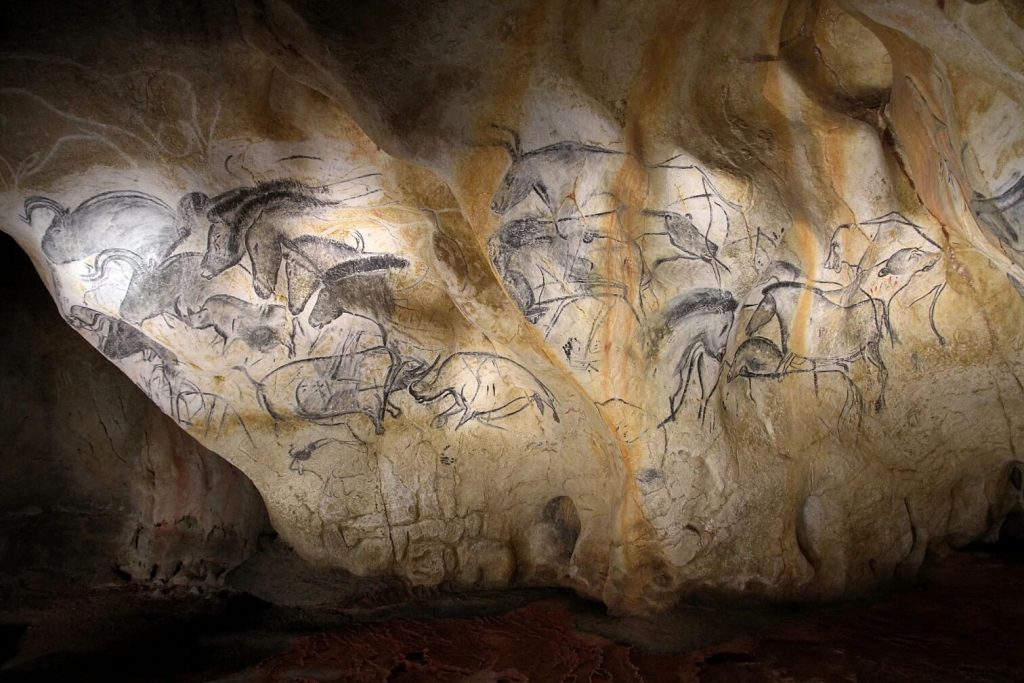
<point>640,300</point>
<point>96,484</point>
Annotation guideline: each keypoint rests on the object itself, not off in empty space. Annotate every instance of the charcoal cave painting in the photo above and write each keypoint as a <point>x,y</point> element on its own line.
<point>797,327</point>
<point>483,387</point>
<point>885,257</point>
<point>562,225</point>
<point>548,332</point>
<point>838,335</point>
<point>134,245</point>
<point>134,221</point>
<point>699,323</point>
<point>1002,216</point>
<point>328,390</point>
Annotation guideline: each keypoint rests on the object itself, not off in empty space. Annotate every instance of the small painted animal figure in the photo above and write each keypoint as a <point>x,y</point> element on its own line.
<point>559,174</point>
<point>832,334</point>
<point>701,320</point>
<point>686,237</point>
<point>756,357</point>
<point>484,387</point>
<point>260,327</point>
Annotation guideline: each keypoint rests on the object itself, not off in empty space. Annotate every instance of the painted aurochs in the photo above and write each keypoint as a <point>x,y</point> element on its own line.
<point>642,300</point>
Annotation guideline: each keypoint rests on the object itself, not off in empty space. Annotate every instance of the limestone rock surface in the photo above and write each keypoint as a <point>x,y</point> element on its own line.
<point>640,299</point>
<point>97,486</point>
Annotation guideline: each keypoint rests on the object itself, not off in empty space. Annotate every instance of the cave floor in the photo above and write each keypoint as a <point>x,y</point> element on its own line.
<point>961,622</point>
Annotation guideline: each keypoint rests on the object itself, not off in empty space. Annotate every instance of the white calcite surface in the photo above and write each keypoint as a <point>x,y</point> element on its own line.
<point>640,299</point>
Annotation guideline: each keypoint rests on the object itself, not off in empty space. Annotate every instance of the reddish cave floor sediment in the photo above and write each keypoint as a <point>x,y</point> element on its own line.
<point>961,623</point>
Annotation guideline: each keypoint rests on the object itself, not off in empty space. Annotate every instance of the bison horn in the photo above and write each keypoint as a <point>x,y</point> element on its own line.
<point>515,148</point>
<point>99,267</point>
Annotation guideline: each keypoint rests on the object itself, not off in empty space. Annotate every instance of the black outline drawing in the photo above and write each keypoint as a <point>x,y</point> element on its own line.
<point>1003,214</point>
<point>261,327</point>
<point>552,172</point>
<point>760,358</point>
<point>327,389</point>
<point>248,221</point>
<point>836,258</point>
<point>306,259</point>
<point>691,242</point>
<point>544,272</point>
<point>483,386</point>
<point>358,286</point>
<point>126,219</point>
<point>886,234</point>
<point>688,239</point>
<point>912,261</point>
<point>836,335</point>
<point>301,455</point>
<point>708,336</point>
<point>755,357</point>
<point>118,339</point>
<point>154,290</point>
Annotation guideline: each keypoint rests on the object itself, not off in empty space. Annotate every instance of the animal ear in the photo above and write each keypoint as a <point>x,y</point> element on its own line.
<point>764,313</point>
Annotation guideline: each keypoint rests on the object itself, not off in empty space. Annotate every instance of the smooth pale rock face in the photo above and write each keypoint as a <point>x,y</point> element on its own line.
<point>637,299</point>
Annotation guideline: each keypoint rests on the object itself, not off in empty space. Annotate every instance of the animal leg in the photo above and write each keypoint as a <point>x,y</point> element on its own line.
<point>441,419</point>
<point>784,364</point>
<point>856,402</point>
<point>931,312</point>
<point>702,413</point>
<point>894,338</point>
<point>392,409</point>
<point>378,422</point>
<point>513,407</point>
<point>675,401</point>
<point>700,381</point>
<point>874,356</point>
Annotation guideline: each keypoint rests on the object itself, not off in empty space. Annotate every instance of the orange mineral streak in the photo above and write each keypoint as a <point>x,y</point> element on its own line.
<point>800,235</point>
<point>628,370</point>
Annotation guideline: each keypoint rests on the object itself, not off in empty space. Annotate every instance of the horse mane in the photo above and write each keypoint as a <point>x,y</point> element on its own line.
<point>699,301</point>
